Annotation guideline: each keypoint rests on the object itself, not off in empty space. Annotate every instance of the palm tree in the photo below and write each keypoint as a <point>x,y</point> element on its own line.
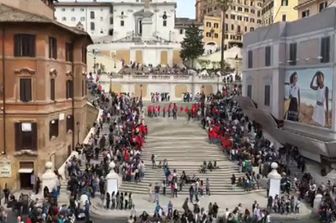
<point>224,6</point>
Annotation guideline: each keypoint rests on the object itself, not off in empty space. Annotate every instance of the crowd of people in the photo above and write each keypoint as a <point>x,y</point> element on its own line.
<point>145,69</point>
<point>209,214</point>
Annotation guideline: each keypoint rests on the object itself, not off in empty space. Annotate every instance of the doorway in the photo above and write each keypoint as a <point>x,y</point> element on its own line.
<point>25,180</point>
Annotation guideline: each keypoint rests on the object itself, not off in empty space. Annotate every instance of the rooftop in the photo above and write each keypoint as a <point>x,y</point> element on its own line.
<point>75,3</point>
<point>13,15</point>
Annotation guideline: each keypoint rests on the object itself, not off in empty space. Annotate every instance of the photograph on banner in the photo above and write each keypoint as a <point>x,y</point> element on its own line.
<point>308,96</point>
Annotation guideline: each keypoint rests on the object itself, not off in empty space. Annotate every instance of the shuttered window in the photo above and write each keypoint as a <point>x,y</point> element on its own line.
<point>249,91</point>
<point>68,52</point>
<point>292,53</point>
<point>267,98</point>
<point>25,136</point>
<point>325,49</point>
<point>52,89</point>
<point>69,89</point>
<point>25,90</point>
<point>24,45</point>
<point>250,59</point>
<point>53,128</point>
<point>69,123</point>
<point>52,47</point>
<point>267,56</point>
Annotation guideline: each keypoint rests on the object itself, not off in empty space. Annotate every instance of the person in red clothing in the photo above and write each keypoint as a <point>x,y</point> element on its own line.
<point>164,112</point>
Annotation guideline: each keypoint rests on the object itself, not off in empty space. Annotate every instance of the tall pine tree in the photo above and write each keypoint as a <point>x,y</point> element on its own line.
<point>192,45</point>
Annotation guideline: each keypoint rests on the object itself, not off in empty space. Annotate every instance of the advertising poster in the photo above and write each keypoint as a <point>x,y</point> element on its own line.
<point>308,96</point>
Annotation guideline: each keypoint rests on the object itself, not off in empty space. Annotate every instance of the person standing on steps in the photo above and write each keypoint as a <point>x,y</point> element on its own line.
<point>153,161</point>
<point>191,193</point>
<point>157,192</point>
<point>207,187</point>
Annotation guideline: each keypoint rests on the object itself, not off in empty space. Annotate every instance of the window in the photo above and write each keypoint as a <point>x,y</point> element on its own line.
<point>63,18</point>
<point>208,24</point>
<point>82,19</point>
<point>63,9</point>
<point>240,9</point>
<point>69,89</point>
<point>325,49</point>
<point>251,19</point>
<point>69,123</point>
<point>216,35</point>
<point>122,13</point>
<point>252,11</point>
<point>92,14</point>
<point>246,10</point>
<point>122,23</point>
<point>239,17</point>
<point>84,52</point>
<point>238,29</point>
<point>208,34</point>
<point>226,27</point>
<point>24,45</point>
<point>245,28</point>
<point>251,29</point>
<point>73,9</point>
<point>305,13</point>
<point>92,25</point>
<point>267,98</point>
<point>249,91</point>
<point>68,52</point>
<point>164,23</point>
<point>250,59</point>
<point>284,3</point>
<point>232,16</point>
<point>267,56</point>
<point>323,5</point>
<point>25,90</point>
<point>52,47</point>
<point>216,25</point>
<point>82,10</point>
<point>73,19</point>
<point>53,128</point>
<point>52,89</point>
<point>292,53</point>
<point>25,136</point>
<point>232,27</point>
<point>111,32</point>
<point>284,18</point>
<point>246,19</point>
<point>111,20</point>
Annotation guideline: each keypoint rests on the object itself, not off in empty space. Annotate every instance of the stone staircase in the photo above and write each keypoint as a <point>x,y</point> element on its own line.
<point>185,145</point>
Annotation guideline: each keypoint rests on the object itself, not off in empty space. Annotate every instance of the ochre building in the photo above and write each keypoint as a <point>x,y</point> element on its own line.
<point>44,110</point>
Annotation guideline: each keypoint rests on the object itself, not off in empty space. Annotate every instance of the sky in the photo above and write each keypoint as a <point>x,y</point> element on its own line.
<point>185,8</point>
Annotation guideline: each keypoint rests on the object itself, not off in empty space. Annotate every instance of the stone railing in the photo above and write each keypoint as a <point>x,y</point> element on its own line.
<point>61,170</point>
<point>160,78</point>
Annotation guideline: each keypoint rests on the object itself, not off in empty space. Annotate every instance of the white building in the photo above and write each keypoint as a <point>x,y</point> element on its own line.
<point>118,19</point>
<point>95,17</point>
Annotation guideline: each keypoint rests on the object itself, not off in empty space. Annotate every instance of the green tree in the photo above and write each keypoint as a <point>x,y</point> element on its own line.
<point>223,5</point>
<point>192,45</point>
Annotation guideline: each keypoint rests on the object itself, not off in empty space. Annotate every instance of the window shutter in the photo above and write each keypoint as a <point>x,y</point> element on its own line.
<point>18,136</point>
<point>28,89</point>
<point>34,136</point>
<point>22,90</point>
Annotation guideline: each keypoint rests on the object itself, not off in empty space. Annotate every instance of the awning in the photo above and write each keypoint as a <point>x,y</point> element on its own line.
<point>25,170</point>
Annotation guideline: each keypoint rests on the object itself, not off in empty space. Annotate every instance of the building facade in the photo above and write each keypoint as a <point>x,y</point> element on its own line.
<point>118,19</point>
<point>274,11</point>
<point>306,8</point>
<point>43,92</point>
<point>96,18</point>
<point>243,16</point>
<point>289,73</point>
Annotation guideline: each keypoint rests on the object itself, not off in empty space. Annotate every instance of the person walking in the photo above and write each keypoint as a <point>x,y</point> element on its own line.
<point>207,187</point>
